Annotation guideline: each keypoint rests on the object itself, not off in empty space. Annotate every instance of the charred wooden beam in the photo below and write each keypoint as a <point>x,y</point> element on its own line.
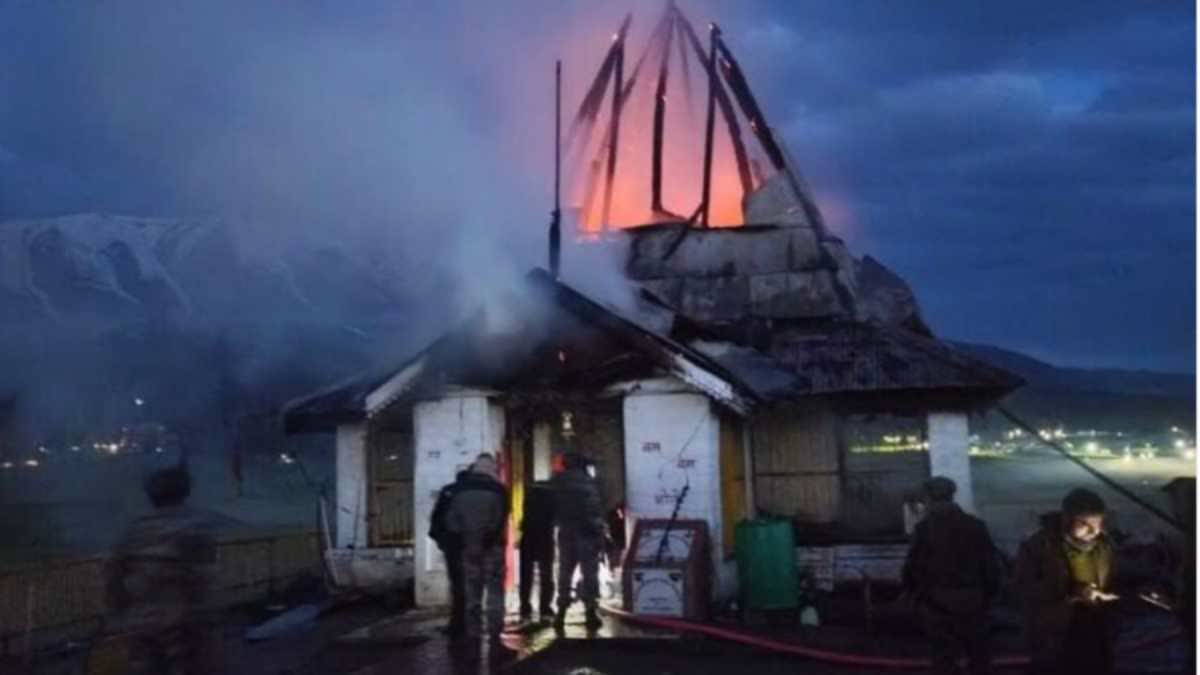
<point>660,109</point>
<point>727,111</point>
<point>614,132</point>
<point>758,124</point>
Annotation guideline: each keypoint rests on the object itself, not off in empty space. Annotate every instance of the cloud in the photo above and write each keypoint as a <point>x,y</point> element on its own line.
<point>990,152</point>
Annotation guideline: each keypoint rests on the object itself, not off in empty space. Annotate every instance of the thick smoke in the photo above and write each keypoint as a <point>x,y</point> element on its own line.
<point>411,148</point>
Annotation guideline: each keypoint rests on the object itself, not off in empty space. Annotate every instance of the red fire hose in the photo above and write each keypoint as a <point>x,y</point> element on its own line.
<point>838,658</point>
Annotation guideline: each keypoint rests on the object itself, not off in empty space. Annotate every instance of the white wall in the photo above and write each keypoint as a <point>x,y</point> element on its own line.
<point>351,498</point>
<point>672,439</point>
<point>448,434</point>
<point>948,436</point>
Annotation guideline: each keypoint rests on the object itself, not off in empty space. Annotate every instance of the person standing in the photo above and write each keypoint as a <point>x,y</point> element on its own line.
<point>1064,574</point>
<point>537,551</point>
<point>952,573</point>
<point>579,515</point>
<point>159,583</point>
<point>478,516</point>
<point>451,548</point>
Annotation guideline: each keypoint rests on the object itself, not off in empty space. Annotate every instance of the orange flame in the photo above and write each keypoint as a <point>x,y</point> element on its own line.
<point>682,163</point>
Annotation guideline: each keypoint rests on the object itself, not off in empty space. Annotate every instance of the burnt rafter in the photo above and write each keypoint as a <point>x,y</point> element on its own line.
<point>722,100</point>
<point>730,95</point>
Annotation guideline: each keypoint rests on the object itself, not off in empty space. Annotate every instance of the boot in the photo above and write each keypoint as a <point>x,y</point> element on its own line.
<point>592,619</point>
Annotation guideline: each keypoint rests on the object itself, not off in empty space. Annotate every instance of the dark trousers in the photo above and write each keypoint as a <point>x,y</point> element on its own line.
<point>483,591</point>
<point>454,574</point>
<point>1085,647</point>
<point>953,636</point>
<point>538,555</point>
<point>582,551</point>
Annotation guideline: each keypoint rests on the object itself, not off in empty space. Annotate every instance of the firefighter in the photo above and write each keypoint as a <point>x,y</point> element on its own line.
<point>1064,575</point>
<point>451,549</point>
<point>478,516</point>
<point>537,551</point>
<point>160,584</point>
<point>952,573</point>
<point>579,515</point>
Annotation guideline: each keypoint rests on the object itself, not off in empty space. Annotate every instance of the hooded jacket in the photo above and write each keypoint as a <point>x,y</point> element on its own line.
<point>1045,585</point>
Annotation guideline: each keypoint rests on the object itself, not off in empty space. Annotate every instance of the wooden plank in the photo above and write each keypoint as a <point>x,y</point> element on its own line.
<point>876,484</point>
<point>812,498</point>
<point>733,481</point>
<point>391,488</point>
<point>796,462</point>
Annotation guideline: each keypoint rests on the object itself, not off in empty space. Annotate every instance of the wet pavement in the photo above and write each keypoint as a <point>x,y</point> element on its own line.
<point>366,638</point>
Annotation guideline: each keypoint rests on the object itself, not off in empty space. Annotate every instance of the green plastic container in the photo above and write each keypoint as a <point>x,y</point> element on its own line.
<point>766,559</point>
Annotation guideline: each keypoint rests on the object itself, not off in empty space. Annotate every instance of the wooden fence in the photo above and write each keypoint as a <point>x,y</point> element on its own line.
<point>56,601</point>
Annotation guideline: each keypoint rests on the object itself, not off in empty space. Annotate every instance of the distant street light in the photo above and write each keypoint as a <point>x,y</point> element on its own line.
<point>139,402</point>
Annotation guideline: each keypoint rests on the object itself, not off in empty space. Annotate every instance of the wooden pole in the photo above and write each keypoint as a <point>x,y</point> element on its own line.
<point>706,191</point>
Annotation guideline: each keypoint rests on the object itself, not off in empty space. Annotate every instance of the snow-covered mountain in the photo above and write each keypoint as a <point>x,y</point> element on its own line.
<point>192,315</point>
<point>100,266</point>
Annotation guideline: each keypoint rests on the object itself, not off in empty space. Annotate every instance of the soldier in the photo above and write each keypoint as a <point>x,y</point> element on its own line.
<point>579,514</point>
<point>478,516</point>
<point>451,549</point>
<point>159,583</point>
<point>1064,574</point>
<point>952,574</point>
<point>537,550</point>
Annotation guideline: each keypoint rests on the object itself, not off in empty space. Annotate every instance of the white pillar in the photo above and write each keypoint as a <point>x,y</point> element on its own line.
<point>448,434</point>
<point>350,472</point>
<point>672,439</point>
<point>948,434</point>
<point>542,463</point>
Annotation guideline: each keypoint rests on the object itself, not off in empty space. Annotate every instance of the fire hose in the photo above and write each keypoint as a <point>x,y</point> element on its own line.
<point>838,658</point>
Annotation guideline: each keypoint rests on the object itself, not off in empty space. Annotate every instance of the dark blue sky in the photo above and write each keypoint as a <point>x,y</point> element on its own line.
<point>1028,166</point>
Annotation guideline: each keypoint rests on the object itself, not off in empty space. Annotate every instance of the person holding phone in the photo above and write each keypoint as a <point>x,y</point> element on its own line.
<point>1064,577</point>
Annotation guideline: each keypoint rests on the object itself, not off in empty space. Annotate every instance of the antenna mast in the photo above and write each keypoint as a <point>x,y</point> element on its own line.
<point>556,214</point>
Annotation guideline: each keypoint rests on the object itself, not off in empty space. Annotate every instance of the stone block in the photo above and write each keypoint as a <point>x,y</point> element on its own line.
<point>715,298</point>
<point>715,252</point>
<point>796,295</point>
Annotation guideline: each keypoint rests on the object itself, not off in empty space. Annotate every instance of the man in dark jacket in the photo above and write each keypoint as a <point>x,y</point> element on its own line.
<point>451,549</point>
<point>537,550</point>
<point>160,584</point>
<point>579,514</point>
<point>1064,575</point>
<point>478,516</point>
<point>952,574</point>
